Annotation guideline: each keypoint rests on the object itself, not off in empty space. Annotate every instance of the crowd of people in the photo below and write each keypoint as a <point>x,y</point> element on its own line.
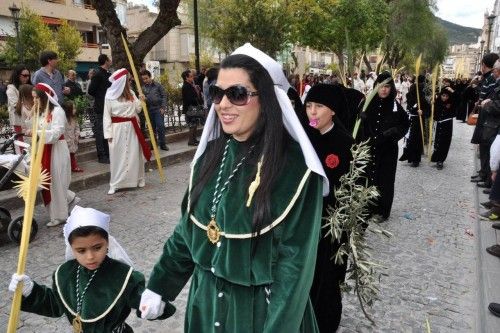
<point>251,234</point>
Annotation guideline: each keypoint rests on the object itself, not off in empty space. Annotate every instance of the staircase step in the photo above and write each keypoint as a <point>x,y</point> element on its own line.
<point>96,173</point>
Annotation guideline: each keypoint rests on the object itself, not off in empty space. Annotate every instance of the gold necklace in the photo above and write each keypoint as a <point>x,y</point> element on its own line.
<point>213,230</point>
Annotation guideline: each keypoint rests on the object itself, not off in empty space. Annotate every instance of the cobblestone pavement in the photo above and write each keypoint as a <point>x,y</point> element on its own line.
<point>430,259</point>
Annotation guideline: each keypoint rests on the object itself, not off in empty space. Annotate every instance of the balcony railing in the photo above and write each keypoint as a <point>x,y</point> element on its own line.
<point>83,4</point>
<point>91,45</point>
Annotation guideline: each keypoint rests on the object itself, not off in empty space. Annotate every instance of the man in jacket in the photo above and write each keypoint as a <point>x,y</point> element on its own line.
<point>98,86</point>
<point>156,101</point>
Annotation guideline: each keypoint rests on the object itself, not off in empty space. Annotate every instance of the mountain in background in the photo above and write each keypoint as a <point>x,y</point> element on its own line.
<point>458,34</point>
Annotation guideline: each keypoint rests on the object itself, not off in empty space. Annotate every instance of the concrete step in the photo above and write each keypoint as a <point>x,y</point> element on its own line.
<point>96,173</point>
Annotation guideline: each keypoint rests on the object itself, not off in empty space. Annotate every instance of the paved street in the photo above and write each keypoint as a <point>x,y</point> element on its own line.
<point>430,260</point>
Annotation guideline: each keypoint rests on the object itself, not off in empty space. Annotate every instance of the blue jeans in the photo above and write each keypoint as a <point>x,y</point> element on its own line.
<point>158,123</point>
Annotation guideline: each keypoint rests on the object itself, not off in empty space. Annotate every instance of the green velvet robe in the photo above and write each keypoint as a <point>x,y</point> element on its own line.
<point>104,289</point>
<point>232,290</point>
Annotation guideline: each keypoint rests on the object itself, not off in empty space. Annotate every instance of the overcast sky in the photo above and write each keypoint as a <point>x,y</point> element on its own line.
<point>464,12</point>
<point>469,13</point>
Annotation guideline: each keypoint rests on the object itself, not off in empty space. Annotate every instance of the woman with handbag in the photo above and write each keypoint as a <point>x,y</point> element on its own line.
<point>192,103</point>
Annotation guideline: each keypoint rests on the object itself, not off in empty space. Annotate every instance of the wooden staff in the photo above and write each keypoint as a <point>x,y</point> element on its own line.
<point>417,69</point>
<point>30,185</point>
<point>431,123</point>
<point>145,110</point>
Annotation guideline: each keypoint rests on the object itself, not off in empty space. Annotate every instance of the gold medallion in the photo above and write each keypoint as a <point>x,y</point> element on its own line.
<point>77,324</point>
<point>213,232</point>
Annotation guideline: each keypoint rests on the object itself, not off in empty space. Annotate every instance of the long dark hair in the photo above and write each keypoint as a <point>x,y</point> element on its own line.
<point>16,72</point>
<point>269,137</point>
<point>42,96</point>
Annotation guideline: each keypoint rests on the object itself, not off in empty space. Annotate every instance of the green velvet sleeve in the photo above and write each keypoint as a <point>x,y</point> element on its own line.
<point>175,266</point>
<point>43,301</point>
<point>294,270</point>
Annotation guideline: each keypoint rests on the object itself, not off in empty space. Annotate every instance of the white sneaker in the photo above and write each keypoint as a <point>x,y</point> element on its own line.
<point>142,183</point>
<point>111,191</point>
<point>55,222</point>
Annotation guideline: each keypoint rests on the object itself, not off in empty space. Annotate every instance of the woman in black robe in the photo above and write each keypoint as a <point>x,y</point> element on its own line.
<point>384,123</point>
<point>414,144</point>
<point>325,106</point>
<point>444,113</point>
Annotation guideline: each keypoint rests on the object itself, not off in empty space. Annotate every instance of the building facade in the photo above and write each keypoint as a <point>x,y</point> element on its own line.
<point>462,61</point>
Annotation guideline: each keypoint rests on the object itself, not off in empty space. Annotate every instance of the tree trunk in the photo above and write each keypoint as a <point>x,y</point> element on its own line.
<point>167,19</point>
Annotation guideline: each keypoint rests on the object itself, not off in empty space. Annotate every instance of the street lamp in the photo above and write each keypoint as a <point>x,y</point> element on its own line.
<point>15,11</point>
<point>491,20</point>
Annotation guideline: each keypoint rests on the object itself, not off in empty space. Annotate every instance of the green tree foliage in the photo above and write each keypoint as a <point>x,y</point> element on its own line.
<point>340,26</point>
<point>69,41</point>
<point>413,29</point>
<point>231,23</point>
<point>34,37</point>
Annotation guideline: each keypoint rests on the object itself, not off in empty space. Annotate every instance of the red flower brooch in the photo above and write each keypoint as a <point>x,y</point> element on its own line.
<point>332,161</point>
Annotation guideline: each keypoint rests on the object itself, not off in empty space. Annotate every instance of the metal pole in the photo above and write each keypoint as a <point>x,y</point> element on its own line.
<point>18,42</point>
<point>196,37</point>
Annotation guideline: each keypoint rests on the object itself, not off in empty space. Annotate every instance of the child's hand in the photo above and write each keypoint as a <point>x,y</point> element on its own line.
<point>151,306</point>
<point>27,284</point>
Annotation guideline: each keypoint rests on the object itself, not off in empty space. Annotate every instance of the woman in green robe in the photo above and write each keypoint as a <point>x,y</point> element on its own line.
<point>250,223</point>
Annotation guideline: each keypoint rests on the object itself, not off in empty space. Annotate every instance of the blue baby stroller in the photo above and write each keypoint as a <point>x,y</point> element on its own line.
<point>9,165</point>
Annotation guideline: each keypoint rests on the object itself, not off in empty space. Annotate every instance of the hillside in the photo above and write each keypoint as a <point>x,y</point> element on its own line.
<point>458,34</point>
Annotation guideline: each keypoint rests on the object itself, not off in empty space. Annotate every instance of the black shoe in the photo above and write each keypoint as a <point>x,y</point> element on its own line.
<point>475,177</point>
<point>164,147</point>
<point>487,204</point>
<point>487,191</point>
<point>415,164</point>
<point>104,160</point>
<point>439,165</point>
<point>494,309</point>
<point>477,180</point>
<point>483,185</point>
<point>494,250</point>
<point>193,143</point>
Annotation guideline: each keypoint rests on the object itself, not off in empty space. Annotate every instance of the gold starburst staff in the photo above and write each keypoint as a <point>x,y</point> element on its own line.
<point>27,189</point>
<point>417,70</point>
<point>145,110</point>
<point>435,72</point>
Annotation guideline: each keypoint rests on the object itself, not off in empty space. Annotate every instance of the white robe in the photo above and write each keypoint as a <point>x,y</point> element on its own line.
<point>125,152</point>
<point>60,169</point>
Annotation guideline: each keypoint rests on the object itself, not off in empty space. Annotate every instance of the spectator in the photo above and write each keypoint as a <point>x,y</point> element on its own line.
<point>72,133</point>
<point>156,101</point>
<point>211,79</point>
<point>190,98</point>
<point>49,74</point>
<point>98,86</point>
<point>3,93</point>
<point>20,75</point>
<point>75,89</point>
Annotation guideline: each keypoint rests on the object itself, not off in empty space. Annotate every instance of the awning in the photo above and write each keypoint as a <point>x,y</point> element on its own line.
<point>51,20</point>
<point>82,68</point>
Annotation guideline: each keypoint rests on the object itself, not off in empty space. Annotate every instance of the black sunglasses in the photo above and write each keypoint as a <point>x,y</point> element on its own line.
<point>237,95</point>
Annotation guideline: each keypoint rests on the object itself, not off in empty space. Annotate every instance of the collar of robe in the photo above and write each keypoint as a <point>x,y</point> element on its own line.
<point>210,230</point>
<point>60,290</point>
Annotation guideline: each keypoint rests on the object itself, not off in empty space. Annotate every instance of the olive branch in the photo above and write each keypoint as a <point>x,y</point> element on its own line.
<point>350,217</point>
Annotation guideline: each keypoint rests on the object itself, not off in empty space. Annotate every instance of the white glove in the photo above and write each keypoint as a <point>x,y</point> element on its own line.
<point>151,306</point>
<point>27,284</point>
